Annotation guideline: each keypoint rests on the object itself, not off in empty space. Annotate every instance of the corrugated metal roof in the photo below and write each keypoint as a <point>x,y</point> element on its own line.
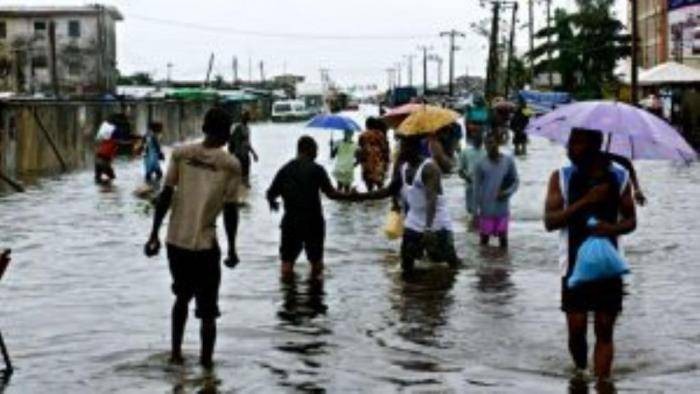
<point>45,11</point>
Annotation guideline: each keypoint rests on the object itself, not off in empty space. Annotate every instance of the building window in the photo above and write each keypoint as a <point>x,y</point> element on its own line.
<point>74,29</point>
<point>3,29</point>
<point>40,27</point>
<point>75,69</point>
<point>40,62</point>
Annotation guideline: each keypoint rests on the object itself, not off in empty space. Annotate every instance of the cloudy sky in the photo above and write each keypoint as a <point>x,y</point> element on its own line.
<point>357,40</point>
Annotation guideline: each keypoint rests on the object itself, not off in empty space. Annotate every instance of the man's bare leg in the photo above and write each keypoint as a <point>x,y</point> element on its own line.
<point>179,320</point>
<point>577,323</point>
<point>287,271</point>
<point>207,335</point>
<point>604,345</point>
<point>503,241</point>
<point>484,240</point>
<point>317,270</point>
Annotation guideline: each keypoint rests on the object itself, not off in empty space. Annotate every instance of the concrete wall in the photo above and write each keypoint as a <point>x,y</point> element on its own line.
<point>25,149</point>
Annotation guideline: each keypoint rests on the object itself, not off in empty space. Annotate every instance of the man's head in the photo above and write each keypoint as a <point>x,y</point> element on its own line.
<point>411,148</point>
<point>217,126</point>
<point>307,148</point>
<point>347,135</point>
<point>245,117</point>
<point>584,145</point>
<point>155,127</point>
<point>373,123</point>
<point>493,144</point>
<point>477,141</point>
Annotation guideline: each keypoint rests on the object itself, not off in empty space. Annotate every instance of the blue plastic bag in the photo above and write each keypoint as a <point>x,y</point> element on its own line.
<point>597,259</point>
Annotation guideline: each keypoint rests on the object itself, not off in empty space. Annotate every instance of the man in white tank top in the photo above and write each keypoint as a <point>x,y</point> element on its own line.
<point>428,227</point>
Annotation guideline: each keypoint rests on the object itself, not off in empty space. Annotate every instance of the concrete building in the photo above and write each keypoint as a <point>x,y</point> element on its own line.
<point>653,32</point>
<point>58,50</point>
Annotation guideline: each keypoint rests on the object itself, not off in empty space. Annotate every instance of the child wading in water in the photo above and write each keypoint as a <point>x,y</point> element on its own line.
<point>153,154</point>
<point>495,182</point>
<point>344,153</point>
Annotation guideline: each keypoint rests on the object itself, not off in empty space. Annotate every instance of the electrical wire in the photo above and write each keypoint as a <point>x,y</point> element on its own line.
<point>279,35</point>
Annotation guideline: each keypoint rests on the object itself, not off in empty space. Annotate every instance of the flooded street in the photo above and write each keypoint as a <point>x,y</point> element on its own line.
<point>84,311</point>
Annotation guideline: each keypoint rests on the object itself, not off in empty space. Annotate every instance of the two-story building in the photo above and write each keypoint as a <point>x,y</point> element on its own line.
<point>58,50</point>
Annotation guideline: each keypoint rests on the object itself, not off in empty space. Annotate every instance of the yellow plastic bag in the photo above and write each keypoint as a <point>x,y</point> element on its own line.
<point>394,225</point>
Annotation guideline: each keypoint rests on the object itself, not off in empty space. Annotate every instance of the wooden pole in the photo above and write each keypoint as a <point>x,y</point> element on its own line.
<point>46,133</point>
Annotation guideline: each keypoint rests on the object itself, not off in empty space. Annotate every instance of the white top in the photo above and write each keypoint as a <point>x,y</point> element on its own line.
<point>105,131</point>
<point>415,198</point>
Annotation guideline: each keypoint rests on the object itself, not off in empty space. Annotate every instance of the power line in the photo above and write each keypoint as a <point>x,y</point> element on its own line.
<point>279,35</point>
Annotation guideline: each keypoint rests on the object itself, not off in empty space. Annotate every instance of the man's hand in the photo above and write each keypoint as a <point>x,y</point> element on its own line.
<point>152,247</point>
<point>255,157</point>
<point>603,229</point>
<point>232,260</point>
<point>596,195</point>
<point>274,205</point>
<point>640,198</point>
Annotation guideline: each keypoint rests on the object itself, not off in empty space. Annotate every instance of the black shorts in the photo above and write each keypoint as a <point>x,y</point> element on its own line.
<point>306,236</point>
<point>599,296</point>
<point>197,274</point>
<point>413,247</point>
<point>245,164</point>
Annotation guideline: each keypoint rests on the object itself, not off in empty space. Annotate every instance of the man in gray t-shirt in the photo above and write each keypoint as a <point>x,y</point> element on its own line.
<point>495,182</point>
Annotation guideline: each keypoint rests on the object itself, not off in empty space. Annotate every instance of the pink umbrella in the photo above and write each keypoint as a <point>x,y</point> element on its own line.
<point>395,116</point>
<point>629,131</point>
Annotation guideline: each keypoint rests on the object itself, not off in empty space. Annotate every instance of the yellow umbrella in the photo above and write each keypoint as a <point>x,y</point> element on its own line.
<point>427,120</point>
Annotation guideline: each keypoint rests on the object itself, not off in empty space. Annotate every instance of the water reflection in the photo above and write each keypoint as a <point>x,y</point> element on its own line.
<point>422,301</point>
<point>299,306</point>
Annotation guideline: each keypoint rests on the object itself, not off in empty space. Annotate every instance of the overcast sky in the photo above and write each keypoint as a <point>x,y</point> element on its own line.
<point>357,40</point>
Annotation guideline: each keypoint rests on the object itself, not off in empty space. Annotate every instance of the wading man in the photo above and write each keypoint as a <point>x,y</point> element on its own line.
<point>240,146</point>
<point>202,181</point>
<point>591,187</point>
<point>300,183</point>
<point>428,225</point>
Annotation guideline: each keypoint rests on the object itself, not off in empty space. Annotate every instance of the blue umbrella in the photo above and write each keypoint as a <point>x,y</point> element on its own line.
<point>333,122</point>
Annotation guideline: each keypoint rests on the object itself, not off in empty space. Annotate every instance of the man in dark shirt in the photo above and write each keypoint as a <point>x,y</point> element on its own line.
<point>299,183</point>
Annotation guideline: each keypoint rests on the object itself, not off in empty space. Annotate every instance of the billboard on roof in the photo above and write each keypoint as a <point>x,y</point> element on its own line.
<point>684,29</point>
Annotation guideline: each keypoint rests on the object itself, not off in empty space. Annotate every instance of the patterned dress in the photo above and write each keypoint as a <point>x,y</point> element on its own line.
<point>374,156</point>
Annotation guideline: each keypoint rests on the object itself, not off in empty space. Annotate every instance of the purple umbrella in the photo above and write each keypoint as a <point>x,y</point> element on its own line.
<point>629,131</point>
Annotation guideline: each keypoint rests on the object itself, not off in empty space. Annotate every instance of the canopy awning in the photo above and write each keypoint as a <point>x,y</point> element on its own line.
<point>669,73</point>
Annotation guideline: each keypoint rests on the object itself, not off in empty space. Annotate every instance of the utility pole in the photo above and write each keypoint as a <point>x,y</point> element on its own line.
<point>324,79</point>
<point>409,60</point>
<point>211,65</point>
<point>169,74</point>
<point>511,49</point>
<point>398,74</point>
<point>635,51</point>
<point>492,66</point>
<point>549,39</point>
<point>234,66</point>
<point>262,71</point>
<point>390,78</point>
<point>438,61</point>
<point>452,34</point>
<point>425,50</point>
<point>531,29</point>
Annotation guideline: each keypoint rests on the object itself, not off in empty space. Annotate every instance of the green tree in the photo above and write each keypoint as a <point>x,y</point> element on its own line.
<point>585,48</point>
<point>601,44</point>
<point>138,78</point>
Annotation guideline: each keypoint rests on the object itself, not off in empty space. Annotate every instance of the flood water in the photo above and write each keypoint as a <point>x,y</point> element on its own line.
<point>83,310</point>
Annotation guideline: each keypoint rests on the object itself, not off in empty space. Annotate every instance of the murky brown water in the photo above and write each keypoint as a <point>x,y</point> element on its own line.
<point>83,311</point>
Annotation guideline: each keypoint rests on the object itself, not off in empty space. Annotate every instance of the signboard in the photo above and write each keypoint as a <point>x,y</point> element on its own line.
<point>684,29</point>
